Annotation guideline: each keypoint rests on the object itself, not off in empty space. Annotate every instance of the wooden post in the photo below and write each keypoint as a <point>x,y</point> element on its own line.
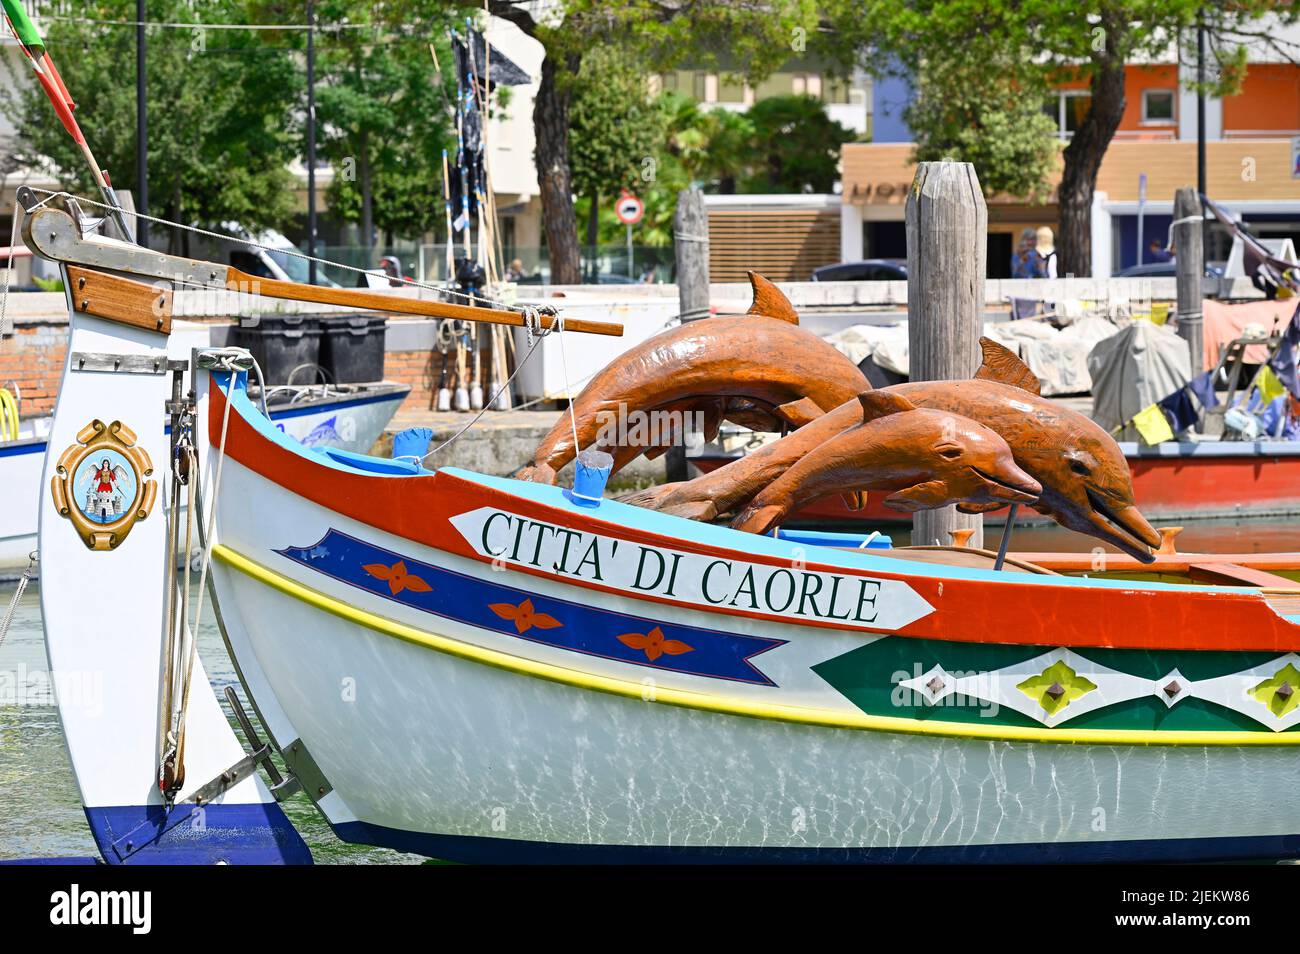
<point>1189,266</point>
<point>947,222</point>
<point>691,248</point>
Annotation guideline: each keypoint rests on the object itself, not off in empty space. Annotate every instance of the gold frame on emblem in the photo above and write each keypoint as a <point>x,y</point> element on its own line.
<point>91,439</point>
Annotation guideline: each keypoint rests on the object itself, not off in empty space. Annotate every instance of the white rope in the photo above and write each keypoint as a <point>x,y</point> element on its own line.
<point>564,367</point>
<point>18,593</point>
<point>177,25</point>
<point>5,328</point>
<point>487,405</point>
<point>225,362</point>
<point>291,252</point>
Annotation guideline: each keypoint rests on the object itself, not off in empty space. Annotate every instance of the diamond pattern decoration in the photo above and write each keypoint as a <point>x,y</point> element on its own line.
<point>932,686</point>
<point>1172,688</point>
<point>1060,685</point>
<point>1056,687</point>
<point>1279,692</point>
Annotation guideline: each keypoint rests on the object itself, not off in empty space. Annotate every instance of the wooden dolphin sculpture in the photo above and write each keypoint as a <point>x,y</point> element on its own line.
<point>1086,482</point>
<point>731,486</point>
<point>927,458</point>
<point>771,369</point>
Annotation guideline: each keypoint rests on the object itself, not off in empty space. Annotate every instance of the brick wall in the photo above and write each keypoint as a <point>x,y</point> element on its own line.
<point>31,364</point>
<point>421,370</point>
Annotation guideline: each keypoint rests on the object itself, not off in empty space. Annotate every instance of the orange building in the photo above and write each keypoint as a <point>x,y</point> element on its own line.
<point>1253,147</point>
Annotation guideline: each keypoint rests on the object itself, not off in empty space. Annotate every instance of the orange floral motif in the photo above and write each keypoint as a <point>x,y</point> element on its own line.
<point>654,645</point>
<point>397,577</point>
<point>525,617</point>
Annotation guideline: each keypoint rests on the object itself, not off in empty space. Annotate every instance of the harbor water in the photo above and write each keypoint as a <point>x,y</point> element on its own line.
<point>40,811</point>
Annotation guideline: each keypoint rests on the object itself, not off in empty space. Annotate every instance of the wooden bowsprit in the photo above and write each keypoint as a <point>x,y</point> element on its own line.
<point>53,233</point>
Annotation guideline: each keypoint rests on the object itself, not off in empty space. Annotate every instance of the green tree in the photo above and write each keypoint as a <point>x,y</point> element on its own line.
<point>615,131</point>
<point>221,106</point>
<point>798,145</point>
<point>1052,39</point>
<point>714,148</point>
<point>659,33</point>
<point>975,110</point>
<point>385,114</point>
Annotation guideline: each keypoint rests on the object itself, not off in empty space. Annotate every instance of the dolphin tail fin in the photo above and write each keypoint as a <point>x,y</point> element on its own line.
<point>800,412</point>
<point>876,404</point>
<point>770,301</point>
<point>1001,364</point>
<point>648,497</point>
<point>702,510</point>
<point>537,473</point>
<point>758,519</point>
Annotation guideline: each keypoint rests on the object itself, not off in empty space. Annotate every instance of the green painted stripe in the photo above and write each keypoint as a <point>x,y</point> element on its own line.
<point>869,677</point>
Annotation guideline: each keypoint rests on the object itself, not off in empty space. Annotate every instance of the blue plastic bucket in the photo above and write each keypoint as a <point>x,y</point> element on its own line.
<point>591,473</point>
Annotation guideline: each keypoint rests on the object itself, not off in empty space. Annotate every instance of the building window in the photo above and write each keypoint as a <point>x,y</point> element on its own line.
<point>730,90</point>
<point>1157,106</point>
<point>1069,108</point>
<point>700,86</point>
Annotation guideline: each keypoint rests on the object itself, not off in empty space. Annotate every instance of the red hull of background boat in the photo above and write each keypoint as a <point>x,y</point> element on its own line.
<point>1171,482</point>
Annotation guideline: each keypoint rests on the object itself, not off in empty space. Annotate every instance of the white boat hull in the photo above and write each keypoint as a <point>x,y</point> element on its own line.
<point>426,750</point>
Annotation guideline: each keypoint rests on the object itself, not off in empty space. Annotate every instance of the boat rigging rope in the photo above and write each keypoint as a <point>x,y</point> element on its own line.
<point>5,329</point>
<point>450,290</point>
<point>535,332</point>
<point>9,418</point>
<point>226,359</point>
<point>171,777</point>
<point>18,594</point>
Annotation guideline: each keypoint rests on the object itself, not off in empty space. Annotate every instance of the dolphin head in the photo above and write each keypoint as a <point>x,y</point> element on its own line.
<point>1087,485</point>
<point>960,460</point>
<point>1091,490</point>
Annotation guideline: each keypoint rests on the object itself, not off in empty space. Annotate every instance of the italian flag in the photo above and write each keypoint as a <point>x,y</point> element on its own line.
<point>34,47</point>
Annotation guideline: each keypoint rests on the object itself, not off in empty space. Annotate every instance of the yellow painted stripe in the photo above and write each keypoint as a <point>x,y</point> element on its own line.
<point>710,702</point>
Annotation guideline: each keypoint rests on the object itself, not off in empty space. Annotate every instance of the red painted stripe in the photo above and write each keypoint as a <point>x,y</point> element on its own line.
<point>419,508</point>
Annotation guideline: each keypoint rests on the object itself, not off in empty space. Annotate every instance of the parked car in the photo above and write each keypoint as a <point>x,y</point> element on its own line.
<point>1165,270</point>
<point>871,270</point>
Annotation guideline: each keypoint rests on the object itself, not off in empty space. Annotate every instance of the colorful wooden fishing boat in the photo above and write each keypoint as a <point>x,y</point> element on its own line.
<point>482,669</point>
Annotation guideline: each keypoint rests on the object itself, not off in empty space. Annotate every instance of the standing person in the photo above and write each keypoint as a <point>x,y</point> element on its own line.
<point>1022,259</point>
<point>1045,251</point>
<point>516,271</point>
<point>1158,253</point>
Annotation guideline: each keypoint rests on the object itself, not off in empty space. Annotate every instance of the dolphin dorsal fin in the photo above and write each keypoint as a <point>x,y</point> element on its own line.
<point>877,404</point>
<point>1001,364</point>
<point>770,301</point>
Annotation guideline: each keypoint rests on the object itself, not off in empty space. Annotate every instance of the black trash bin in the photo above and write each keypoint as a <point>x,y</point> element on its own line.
<point>352,347</point>
<point>281,343</point>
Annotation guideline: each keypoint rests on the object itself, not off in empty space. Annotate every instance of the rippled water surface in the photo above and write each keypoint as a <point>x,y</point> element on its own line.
<point>40,810</point>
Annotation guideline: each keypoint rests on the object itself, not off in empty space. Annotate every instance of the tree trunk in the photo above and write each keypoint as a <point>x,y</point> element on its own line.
<point>551,125</point>
<point>1083,158</point>
<point>593,235</point>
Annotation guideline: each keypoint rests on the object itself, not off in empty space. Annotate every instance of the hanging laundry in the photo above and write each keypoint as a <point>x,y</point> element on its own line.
<point>1180,409</point>
<point>1152,424</point>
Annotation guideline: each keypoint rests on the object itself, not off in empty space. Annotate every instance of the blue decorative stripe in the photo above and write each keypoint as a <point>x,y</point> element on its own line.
<point>469,849</point>
<point>540,619</point>
<point>256,834</point>
<point>31,445</point>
